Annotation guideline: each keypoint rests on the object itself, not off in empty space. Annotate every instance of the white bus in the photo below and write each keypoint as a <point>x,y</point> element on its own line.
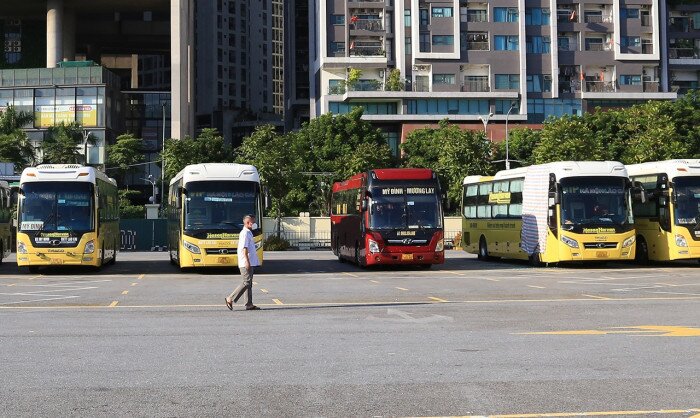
<point>67,214</point>
<point>206,206</point>
<point>668,219</point>
<point>562,211</point>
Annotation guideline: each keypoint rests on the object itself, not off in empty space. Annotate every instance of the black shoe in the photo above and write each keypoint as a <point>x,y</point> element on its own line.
<point>251,308</point>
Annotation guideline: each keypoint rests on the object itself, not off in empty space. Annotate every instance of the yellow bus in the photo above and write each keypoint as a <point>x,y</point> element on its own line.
<point>5,220</point>
<point>206,206</point>
<point>550,213</point>
<point>667,219</point>
<point>67,214</point>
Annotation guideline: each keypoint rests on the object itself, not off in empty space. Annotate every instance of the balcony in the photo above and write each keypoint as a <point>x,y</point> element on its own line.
<point>682,53</point>
<point>567,16</point>
<point>600,86</point>
<point>367,51</point>
<point>646,20</point>
<point>373,25</point>
<point>595,18</point>
<point>650,86</point>
<point>682,24</point>
<point>568,86</point>
<point>476,86</point>
<point>477,16</point>
<point>568,44</point>
<point>366,85</point>
<point>477,46</point>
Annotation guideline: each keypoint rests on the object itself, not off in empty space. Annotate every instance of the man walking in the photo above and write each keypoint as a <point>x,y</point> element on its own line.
<point>247,261</point>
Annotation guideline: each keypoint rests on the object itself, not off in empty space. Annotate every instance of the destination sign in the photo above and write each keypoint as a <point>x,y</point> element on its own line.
<point>392,191</point>
<point>499,198</point>
<point>598,230</point>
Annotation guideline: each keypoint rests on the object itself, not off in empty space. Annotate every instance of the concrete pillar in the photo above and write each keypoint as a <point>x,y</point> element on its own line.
<point>54,32</point>
<point>69,23</point>
<point>134,71</point>
<point>182,70</point>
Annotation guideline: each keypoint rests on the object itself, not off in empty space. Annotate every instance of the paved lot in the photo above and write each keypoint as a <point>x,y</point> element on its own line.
<point>465,338</point>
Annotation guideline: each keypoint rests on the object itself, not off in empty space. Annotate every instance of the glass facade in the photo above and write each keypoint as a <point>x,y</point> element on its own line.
<point>541,109</point>
<point>371,108</point>
<point>447,107</point>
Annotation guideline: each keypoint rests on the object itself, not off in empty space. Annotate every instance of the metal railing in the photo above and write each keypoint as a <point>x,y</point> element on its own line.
<point>477,18</point>
<point>600,86</point>
<point>477,46</point>
<point>367,51</point>
<point>571,45</point>
<point>476,86</point>
<point>367,24</point>
<point>304,240</point>
<point>675,53</point>
<point>571,86</point>
<point>597,19</point>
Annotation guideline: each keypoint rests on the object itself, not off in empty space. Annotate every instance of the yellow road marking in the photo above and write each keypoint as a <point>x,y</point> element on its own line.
<point>351,274</point>
<point>536,287</point>
<point>436,299</point>
<point>263,290</point>
<point>656,330</point>
<point>277,302</point>
<point>134,284</point>
<point>695,416</point>
<point>114,303</point>
<point>402,288</point>
<point>126,292</point>
<point>141,276</point>
<point>596,297</point>
<point>588,414</point>
<point>374,281</point>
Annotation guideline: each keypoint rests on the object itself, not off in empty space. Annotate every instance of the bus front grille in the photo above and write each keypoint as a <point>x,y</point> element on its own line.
<point>599,245</point>
<point>221,251</point>
<point>407,241</point>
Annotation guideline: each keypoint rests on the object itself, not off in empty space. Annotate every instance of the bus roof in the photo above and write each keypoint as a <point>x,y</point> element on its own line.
<point>217,171</point>
<point>355,181</point>
<point>64,172</point>
<point>672,168</point>
<point>561,169</point>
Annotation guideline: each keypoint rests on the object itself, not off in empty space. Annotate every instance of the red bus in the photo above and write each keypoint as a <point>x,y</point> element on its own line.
<point>388,216</point>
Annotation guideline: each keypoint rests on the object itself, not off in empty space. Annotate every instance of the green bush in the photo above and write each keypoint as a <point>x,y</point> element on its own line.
<point>275,243</point>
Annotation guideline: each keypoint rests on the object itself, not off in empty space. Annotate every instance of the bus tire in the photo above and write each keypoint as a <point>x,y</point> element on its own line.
<point>483,250</point>
<point>2,252</point>
<point>113,260</point>
<point>641,255</point>
<point>534,260</point>
<point>357,255</point>
<point>337,251</point>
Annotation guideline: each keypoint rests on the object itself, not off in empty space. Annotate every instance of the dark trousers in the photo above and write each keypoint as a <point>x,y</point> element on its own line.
<point>245,286</point>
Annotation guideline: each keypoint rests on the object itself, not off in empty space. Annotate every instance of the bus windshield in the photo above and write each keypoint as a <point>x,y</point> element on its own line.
<point>219,205</point>
<point>57,206</point>
<point>687,203</point>
<point>405,207</point>
<point>595,201</point>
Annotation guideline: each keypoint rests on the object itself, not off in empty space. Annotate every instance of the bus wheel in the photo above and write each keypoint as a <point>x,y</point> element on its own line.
<point>357,255</point>
<point>2,252</point>
<point>170,255</point>
<point>337,251</point>
<point>642,254</point>
<point>483,250</point>
<point>114,255</point>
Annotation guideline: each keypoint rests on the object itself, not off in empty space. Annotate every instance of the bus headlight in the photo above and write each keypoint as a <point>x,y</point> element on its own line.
<point>680,241</point>
<point>90,247</point>
<point>570,242</point>
<point>21,248</point>
<point>373,246</point>
<point>629,241</point>
<point>440,245</point>
<point>191,247</point>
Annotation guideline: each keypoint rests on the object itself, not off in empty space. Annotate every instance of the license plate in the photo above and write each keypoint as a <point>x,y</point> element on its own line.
<point>224,260</point>
<point>56,261</point>
<point>407,256</point>
<point>601,254</point>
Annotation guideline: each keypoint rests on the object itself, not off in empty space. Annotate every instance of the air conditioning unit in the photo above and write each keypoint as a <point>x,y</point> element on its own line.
<point>421,68</point>
<point>461,68</point>
<point>548,77</point>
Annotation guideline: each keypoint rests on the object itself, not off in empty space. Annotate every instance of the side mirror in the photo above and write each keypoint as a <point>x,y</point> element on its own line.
<point>178,198</point>
<point>268,200</point>
<point>638,193</point>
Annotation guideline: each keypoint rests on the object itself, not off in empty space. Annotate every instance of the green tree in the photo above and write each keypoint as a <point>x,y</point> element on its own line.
<point>14,143</point>
<point>127,210</point>
<point>453,153</point>
<point>685,113</point>
<point>61,144</point>
<point>521,145</point>
<point>354,75</point>
<point>651,135</point>
<point>124,155</point>
<point>208,147</point>
<point>394,82</point>
<point>568,138</point>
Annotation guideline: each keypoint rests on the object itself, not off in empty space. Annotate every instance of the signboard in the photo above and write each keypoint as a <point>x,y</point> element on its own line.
<point>44,115</point>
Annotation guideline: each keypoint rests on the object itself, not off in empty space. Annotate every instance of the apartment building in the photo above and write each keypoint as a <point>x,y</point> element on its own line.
<point>682,36</point>
<point>488,62</point>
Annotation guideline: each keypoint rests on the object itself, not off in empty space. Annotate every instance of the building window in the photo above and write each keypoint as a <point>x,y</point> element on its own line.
<point>537,16</point>
<point>447,107</point>
<point>631,80</point>
<point>627,41</point>
<point>407,18</point>
<point>336,86</point>
<point>425,42</point>
<point>475,41</point>
<point>505,14</point>
<point>503,106</point>
<point>629,13</point>
<point>507,81</point>
<point>408,45</point>
<point>443,40</point>
<point>539,83</point>
<point>439,79</point>
<point>337,19</point>
<point>372,108</point>
<point>538,44</point>
<point>477,15</point>
<point>424,17</point>
<point>337,48</point>
<point>540,109</point>
<point>442,12</point>
<point>506,42</point>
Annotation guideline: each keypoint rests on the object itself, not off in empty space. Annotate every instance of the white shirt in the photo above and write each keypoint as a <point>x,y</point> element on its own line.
<point>245,240</point>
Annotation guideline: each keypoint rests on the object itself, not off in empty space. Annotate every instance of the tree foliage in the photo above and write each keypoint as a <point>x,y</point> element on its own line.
<point>521,145</point>
<point>123,156</point>
<point>568,139</point>
<point>127,210</point>
<point>453,153</point>
<point>208,147</point>
<point>61,144</point>
<point>394,82</point>
<point>15,146</point>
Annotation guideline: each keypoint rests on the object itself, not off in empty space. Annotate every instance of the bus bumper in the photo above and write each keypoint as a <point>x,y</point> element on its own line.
<point>588,251</point>
<point>65,256</point>
<point>207,258</point>
<point>407,258</point>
